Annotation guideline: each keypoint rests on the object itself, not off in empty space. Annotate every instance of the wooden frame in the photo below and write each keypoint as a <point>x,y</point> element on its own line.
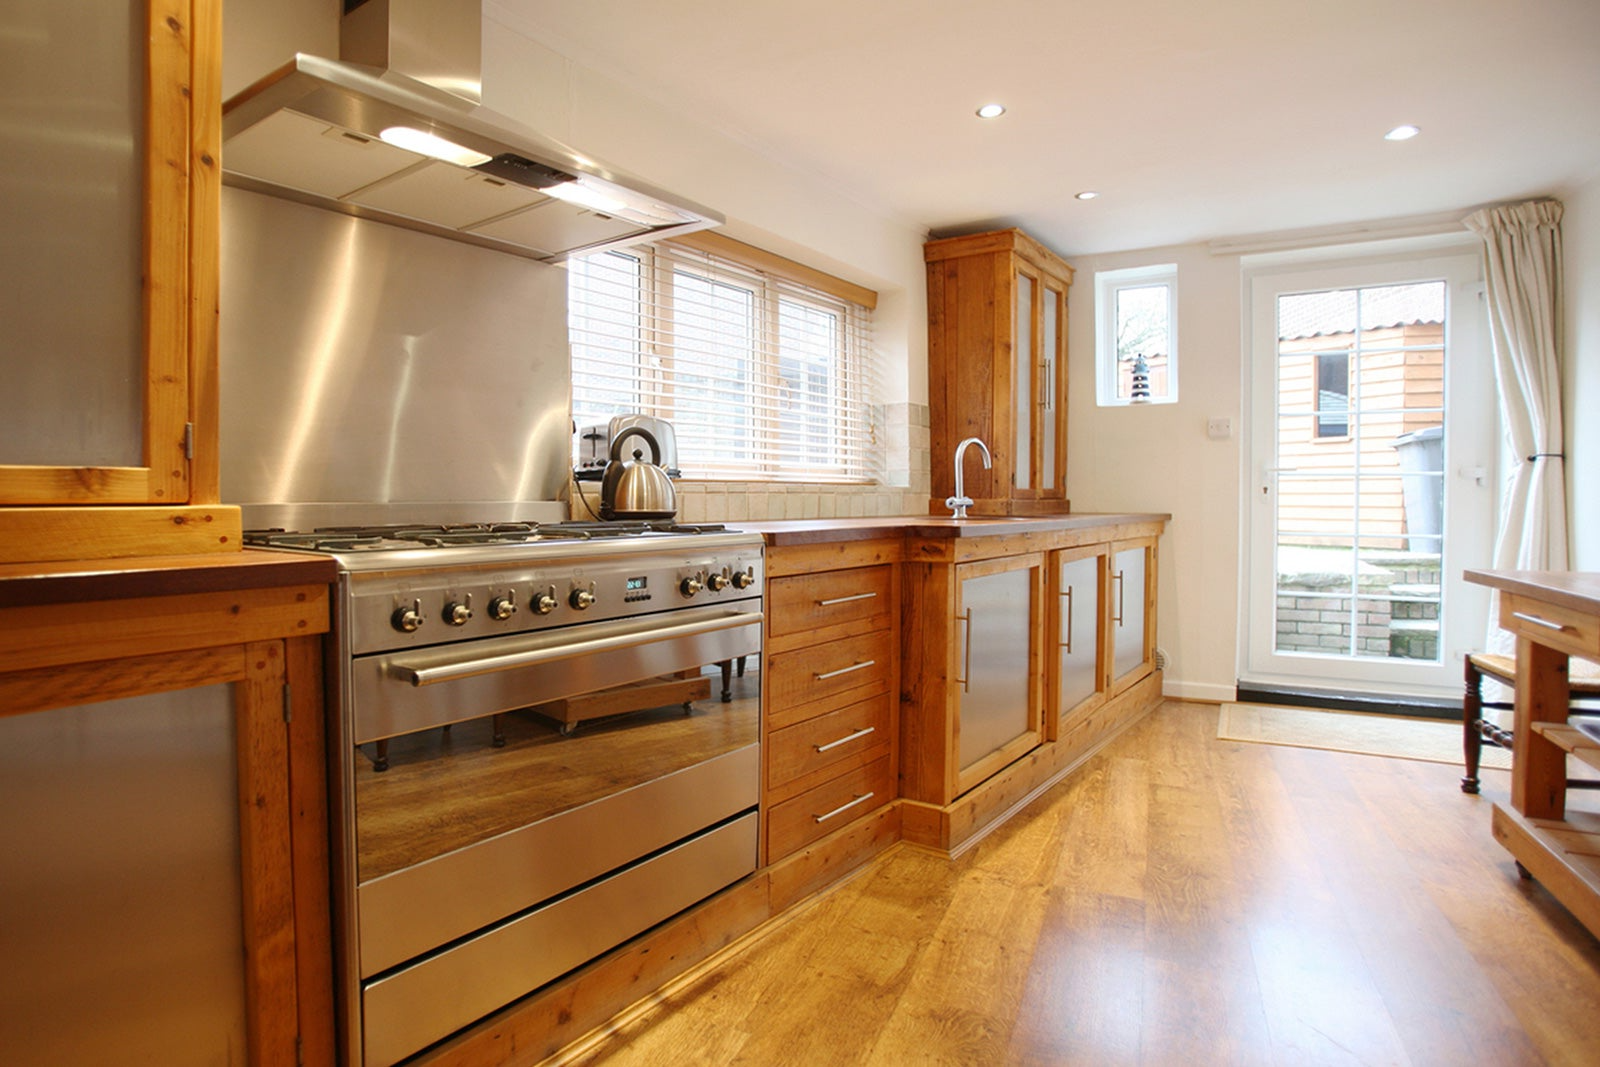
<point>71,652</point>
<point>181,213</point>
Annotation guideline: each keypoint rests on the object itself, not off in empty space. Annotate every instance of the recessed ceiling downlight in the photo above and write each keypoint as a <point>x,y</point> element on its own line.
<point>991,111</point>
<point>1402,133</point>
<point>1087,194</point>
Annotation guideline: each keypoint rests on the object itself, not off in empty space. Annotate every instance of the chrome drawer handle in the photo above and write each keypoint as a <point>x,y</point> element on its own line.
<point>1117,577</point>
<point>862,799</point>
<point>863,665</point>
<point>845,599</point>
<point>1559,628</point>
<point>846,739</point>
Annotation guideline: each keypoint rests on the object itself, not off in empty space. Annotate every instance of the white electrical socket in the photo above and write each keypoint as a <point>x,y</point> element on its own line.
<point>1219,428</point>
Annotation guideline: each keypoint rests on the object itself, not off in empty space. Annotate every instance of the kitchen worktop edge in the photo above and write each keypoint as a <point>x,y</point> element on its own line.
<point>76,581</point>
<point>820,531</point>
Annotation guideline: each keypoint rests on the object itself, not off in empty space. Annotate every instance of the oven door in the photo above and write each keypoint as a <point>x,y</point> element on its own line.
<point>542,798</point>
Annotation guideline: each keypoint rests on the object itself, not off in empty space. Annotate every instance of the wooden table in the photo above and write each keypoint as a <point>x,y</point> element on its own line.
<point>1554,615</point>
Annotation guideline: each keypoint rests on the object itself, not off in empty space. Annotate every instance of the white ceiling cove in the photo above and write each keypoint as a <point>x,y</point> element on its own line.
<point>1193,121</point>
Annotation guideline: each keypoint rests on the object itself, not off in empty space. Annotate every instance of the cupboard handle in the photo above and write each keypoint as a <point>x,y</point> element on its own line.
<point>845,740</point>
<point>1117,577</point>
<point>863,665</point>
<point>966,656</point>
<point>845,599</point>
<point>1559,628</point>
<point>862,799</point>
<point>1067,644</point>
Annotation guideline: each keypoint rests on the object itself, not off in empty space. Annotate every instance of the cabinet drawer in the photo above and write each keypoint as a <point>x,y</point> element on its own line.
<point>1576,633</point>
<point>809,674</point>
<point>798,822</point>
<point>829,738</point>
<point>812,601</point>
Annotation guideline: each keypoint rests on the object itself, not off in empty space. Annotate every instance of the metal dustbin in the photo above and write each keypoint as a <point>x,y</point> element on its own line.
<point>1421,454</point>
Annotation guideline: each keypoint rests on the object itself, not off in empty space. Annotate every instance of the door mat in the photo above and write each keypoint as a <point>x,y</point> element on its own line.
<point>1433,740</point>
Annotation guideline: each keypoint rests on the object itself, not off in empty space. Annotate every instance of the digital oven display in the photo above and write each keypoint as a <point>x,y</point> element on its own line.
<point>637,585</point>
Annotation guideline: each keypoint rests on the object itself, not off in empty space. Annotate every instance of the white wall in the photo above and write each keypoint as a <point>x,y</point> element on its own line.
<point>1580,233</point>
<point>1158,457</point>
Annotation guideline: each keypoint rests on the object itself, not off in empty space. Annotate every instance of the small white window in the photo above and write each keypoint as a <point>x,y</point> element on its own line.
<point>1136,335</point>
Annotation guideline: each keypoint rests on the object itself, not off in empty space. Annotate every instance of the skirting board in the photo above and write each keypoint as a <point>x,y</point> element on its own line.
<point>1205,692</point>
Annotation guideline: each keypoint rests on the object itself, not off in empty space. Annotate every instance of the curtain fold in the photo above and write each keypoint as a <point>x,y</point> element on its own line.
<point>1522,276</point>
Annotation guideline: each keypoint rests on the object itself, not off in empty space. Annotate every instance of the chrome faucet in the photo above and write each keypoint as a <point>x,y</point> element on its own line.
<point>959,503</point>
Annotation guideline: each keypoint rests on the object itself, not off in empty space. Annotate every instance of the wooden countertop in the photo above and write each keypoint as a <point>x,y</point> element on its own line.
<point>73,581</point>
<point>1578,590</point>
<point>819,531</point>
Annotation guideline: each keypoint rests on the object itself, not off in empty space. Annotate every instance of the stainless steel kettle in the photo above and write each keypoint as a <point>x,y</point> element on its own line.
<point>634,489</point>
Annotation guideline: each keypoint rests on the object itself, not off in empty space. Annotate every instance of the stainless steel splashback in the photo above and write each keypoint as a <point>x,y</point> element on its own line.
<point>368,371</point>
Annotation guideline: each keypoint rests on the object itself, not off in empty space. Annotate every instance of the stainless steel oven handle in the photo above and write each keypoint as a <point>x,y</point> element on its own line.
<point>470,665</point>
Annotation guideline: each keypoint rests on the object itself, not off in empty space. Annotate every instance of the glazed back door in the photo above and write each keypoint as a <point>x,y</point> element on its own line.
<point>1373,440</point>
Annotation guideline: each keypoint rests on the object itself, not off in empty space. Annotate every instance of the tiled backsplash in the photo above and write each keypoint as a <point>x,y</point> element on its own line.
<point>900,486</point>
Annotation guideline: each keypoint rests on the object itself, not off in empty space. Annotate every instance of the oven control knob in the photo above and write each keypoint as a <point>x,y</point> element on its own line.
<point>458,614</point>
<point>717,582</point>
<point>744,580</point>
<point>543,603</point>
<point>502,608</point>
<point>406,620</point>
<point>691,585</point>
<point>583,598</point>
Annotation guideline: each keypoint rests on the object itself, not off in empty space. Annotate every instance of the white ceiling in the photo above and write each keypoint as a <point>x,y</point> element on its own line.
<point>1195,121</point>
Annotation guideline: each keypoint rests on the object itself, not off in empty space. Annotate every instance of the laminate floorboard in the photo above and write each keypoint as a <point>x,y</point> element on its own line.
<point>1178,900</point>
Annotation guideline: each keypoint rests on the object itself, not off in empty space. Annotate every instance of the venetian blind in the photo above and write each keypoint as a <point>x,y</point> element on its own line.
<point>761,374</point>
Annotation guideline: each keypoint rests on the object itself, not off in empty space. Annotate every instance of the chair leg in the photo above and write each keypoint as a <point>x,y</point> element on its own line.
<point>1471,714</point>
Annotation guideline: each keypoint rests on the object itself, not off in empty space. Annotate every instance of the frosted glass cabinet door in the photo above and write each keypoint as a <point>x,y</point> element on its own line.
<point>996,700</point>
<point>1078,631</point>
<point>1022,382</point>
<point>1127,611</point>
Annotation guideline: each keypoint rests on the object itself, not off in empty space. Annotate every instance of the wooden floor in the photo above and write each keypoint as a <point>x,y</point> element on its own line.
<point>1179,900</point>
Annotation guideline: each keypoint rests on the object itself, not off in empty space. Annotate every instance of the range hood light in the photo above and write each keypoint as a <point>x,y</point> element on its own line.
<point>576,192</point>
<point>432,145</point>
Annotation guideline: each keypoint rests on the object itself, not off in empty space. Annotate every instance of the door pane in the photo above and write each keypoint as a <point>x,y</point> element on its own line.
<point>1360,500</point>
<point>1022,378</point>
<point>71,186</point>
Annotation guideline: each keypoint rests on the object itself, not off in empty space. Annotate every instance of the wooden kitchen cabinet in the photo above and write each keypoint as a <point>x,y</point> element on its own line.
<point>829,689</point>
<point>1055,678</point>
<point>112,449</point>
<point>152,698</point>
<point>997,347</point>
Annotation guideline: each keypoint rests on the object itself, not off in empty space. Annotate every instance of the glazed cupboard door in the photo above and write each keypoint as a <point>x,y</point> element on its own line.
<point>108,199</point>
<point>1078,620</point>
<point>997,691</point>
<point>1133,611</point>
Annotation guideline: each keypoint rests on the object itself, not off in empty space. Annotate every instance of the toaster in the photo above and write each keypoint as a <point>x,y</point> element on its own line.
<point>593,450</point>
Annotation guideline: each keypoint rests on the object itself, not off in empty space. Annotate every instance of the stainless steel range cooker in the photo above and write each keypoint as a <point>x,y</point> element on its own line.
<point>545,740</point>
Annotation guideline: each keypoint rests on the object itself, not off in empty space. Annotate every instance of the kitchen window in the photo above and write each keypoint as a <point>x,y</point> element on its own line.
<point>763,367</point>
<point>1136,331</point>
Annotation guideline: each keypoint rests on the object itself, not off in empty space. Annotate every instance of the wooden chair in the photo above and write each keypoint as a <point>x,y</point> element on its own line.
<point>1583,681</point>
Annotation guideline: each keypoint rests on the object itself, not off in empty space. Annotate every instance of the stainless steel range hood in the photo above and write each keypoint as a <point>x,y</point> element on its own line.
<point>361,136</point>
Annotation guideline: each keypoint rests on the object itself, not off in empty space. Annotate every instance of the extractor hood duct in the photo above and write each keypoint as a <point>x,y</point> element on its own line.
<point>394,131</point>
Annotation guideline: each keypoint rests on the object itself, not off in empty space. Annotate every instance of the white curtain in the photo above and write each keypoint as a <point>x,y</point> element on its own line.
<point>1522,274</point>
